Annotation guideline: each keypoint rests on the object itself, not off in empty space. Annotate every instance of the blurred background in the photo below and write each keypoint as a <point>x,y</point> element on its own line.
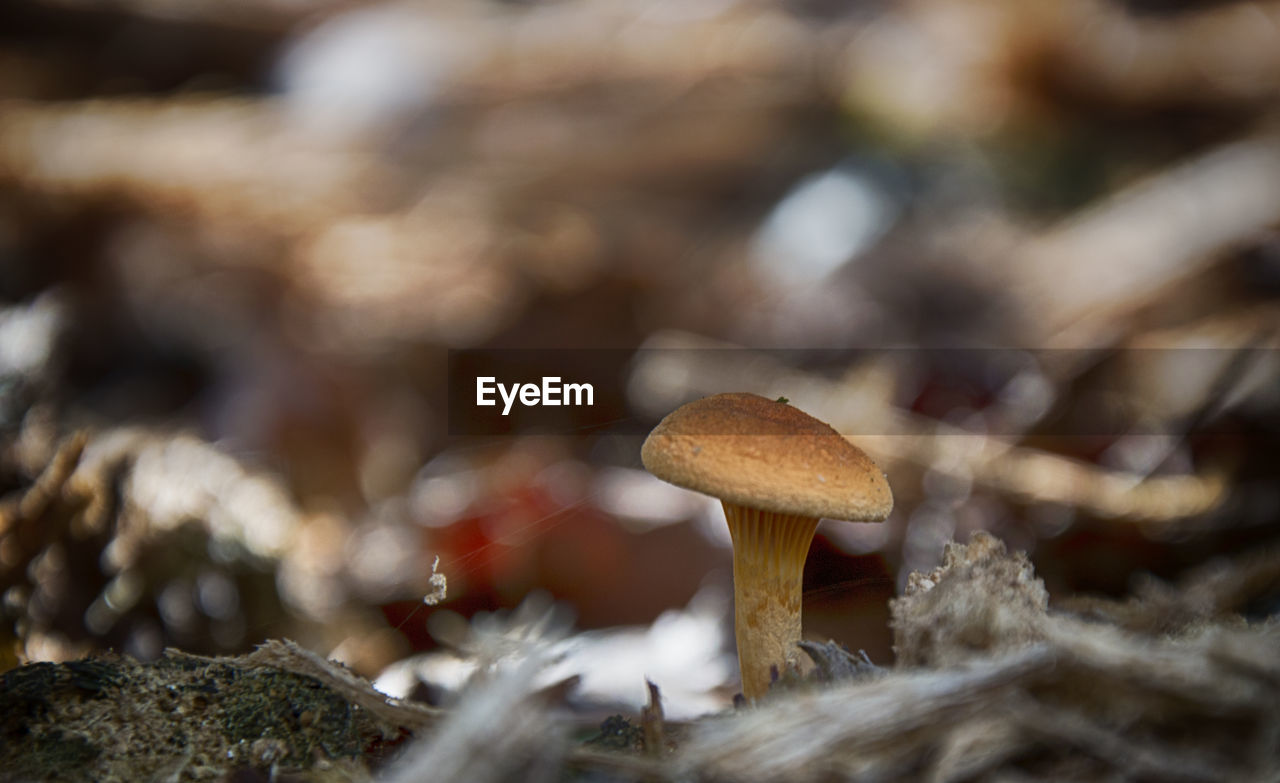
<point>1026,254</point>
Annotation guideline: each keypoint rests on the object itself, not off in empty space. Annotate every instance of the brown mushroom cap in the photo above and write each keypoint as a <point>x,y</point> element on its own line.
<point>753,451</point>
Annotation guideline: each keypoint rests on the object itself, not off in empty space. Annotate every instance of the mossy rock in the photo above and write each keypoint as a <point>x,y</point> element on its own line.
<point>190,718</point>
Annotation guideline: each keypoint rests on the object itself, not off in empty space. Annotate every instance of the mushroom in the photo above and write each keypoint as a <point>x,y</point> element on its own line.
<point>777,471</point>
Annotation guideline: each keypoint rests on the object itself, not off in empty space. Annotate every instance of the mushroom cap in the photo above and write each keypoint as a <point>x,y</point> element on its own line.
<point>753,451</point>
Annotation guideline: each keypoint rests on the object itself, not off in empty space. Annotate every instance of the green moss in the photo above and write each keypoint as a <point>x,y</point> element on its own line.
<point>51,756</point>
<point>617,733</point>
<point>292,708</point>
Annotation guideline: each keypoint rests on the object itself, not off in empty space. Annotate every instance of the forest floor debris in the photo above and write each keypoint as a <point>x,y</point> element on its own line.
<point>990,684</point>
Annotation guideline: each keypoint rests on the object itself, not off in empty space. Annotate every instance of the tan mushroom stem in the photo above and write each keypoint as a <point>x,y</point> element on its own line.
<point>769,550</point>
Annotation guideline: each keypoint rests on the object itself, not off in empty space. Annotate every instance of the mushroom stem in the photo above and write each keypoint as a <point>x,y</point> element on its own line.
<point>769,550</point>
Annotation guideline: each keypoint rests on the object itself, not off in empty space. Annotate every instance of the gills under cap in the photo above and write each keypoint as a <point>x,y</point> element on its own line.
<point>753,451</point>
